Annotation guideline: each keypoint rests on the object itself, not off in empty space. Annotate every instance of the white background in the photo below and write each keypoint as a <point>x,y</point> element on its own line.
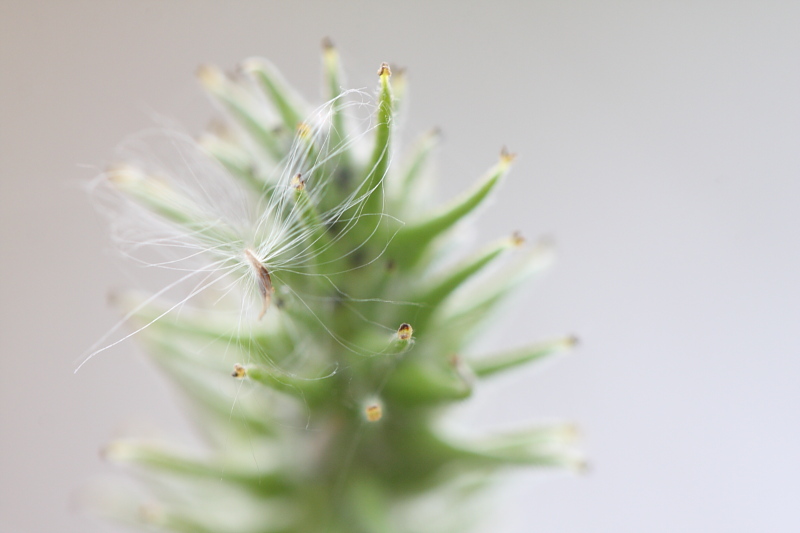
<point>659,144</point>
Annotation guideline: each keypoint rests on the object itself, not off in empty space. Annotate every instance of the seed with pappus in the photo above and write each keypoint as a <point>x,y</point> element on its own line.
<point>317,324</point>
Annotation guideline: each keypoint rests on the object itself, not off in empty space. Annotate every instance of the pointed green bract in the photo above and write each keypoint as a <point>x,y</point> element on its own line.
<point>175,463</point>
<point>406,189</point>
<point>243,109</point>
<point>286,102</point>
<point>307,389</point>
<point>492,364</point>
<point>322,335</point>
<point>340,130</point>
<point>412,240</point>
<point>435,293</point>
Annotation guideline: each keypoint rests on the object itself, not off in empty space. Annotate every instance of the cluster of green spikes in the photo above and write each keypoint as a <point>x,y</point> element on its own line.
<point>320,396</point>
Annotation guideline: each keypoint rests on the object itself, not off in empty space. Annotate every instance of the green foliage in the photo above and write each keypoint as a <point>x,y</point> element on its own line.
<point>321,413</point>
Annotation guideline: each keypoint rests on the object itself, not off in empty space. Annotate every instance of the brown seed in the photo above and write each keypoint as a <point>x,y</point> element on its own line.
<point>263,280</point>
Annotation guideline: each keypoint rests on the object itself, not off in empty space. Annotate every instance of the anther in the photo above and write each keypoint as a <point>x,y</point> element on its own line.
<point>571,341</point>
<point>373,412</point>
<point>404,332</point>
<point>517,239</point>
<point>384,70</point>
<point>506,157</point>
<point>303,130</point>
<point>297,182</point>
<point>239,372</point>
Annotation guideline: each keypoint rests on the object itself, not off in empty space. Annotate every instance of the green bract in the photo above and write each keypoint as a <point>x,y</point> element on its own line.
<point>324,330</point>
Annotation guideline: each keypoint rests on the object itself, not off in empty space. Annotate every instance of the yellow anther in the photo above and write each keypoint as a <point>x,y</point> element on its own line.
<point>517,239</point>
<point>303,131</point>
<point>506,157</point>
<point>404,332</point>
<point>373,412</point>
<point>571,341</point>
<point>298,182</point>
<point>384,70</point>
<point>239,371</point>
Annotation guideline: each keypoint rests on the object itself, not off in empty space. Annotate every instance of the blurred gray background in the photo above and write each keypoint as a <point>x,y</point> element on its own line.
<point>658,142</point>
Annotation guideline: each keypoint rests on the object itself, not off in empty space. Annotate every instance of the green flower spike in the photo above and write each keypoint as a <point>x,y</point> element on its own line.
<point>325,329</point>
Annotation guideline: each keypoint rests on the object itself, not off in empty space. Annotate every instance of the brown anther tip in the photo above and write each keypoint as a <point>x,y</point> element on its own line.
<point>404,332</point>
<point>239,371</point>
<point>384,70</point>
<point>327,44</point>
<point>517,239</point>
<point>572,341</point>
<point>298,183</point>
<point>506,156</point>
<point>373,412</point>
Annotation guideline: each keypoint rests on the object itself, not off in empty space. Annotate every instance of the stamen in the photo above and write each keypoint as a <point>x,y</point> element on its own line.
<point>239,372</point>
<point>298,182</point>
<point>304,131</point>
<point>506,157</point>
<point>373,412</point>
<point>404,332</point>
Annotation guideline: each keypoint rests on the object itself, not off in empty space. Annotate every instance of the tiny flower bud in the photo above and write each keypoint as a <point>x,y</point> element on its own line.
<point>384,70</point>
